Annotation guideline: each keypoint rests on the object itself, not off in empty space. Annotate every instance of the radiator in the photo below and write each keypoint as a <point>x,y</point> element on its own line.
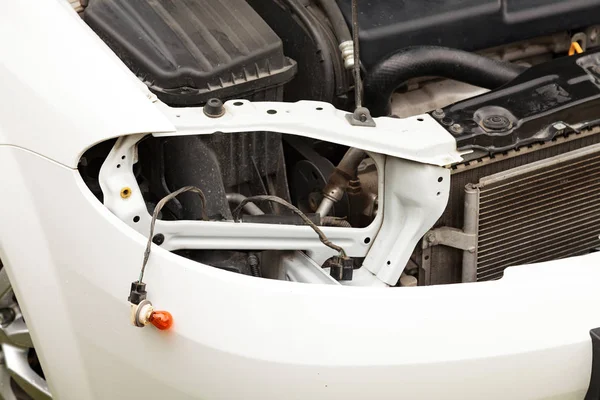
<point>541,211</point>
<point>443,263</point>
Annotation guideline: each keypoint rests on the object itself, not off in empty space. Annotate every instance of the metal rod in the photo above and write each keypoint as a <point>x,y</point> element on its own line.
<point>325,207</point>
<point>357,81</point>
<point>471,222</point>
<point>250,208</point>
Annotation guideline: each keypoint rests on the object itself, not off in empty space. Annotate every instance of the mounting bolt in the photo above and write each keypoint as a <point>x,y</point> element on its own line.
<point>354,187</point>
<point>456,128</point>
<point>158,239</point>
<point>254,264</point>
<point>438,113</point>
<point>214,108</point>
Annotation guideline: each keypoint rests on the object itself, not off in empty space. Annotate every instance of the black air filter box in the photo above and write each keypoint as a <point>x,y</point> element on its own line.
<point>188,51</point>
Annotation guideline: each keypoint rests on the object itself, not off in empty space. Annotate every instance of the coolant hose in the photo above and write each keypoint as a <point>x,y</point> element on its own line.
<point>418,61</point>
<point>341,30</point>
<point>338,23</point>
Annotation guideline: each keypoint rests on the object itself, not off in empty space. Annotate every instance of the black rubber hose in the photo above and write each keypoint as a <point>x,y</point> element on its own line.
<point>413,62</point>
<point>333,12</point>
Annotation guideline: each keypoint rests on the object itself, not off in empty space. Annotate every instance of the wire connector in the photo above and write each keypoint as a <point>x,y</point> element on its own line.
<point>347,49</point>
<point>138,293</point>
<point>341,268</point>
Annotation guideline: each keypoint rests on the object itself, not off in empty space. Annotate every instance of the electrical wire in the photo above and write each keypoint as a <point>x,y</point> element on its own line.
<point>355,39</point>
<point>279,200</point>
<point>157,209</point>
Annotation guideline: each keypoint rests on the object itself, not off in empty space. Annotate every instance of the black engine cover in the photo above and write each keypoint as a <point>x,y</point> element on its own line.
<point>541,103</point>
<point>388,25</point>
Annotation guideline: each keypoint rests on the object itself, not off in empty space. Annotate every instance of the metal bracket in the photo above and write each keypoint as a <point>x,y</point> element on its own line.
<point>451,237</point>
<point>417,148</point>
<point>361,117</point>
<point>415,197</point>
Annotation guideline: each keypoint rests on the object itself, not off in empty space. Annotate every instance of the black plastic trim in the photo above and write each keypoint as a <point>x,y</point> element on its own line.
<point>593,392</point>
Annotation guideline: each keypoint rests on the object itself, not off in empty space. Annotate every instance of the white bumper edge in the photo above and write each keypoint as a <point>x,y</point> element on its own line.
<point>523,337</point>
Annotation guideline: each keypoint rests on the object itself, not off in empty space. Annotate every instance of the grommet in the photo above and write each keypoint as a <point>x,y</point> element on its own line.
<point>214,108</point>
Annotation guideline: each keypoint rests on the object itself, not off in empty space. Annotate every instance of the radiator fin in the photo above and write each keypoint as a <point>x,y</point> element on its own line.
<point>542,211</point>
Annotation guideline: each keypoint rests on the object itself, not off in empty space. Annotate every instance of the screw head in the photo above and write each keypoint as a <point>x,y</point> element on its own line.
<point>456,128</point>
<point>438,113</point>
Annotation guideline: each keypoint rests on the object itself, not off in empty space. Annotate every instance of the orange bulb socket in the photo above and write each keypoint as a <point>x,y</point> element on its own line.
<point>163,320</point>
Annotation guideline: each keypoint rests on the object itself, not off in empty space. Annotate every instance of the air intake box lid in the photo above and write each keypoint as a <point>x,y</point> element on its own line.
<point>188,51</point>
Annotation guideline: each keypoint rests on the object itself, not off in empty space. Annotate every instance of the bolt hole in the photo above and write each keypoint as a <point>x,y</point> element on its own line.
<point>122,157</point>
<point>158,239</point>
<point>440,179</point>
<point>271,112</point>
<point>125,193</point>
<point>426,257</point>
<point>118,165</point>
<point>319,108</point>
<point>420,119</point>
<point>136,219</point>
<point>389,262</point>
<point>238,103</point>
<point>367,240</point>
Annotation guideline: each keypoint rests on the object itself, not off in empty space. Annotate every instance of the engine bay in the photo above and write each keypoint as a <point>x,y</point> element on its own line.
<point>465,159</point>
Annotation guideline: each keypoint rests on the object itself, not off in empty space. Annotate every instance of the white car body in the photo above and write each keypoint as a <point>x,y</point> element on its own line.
<point>70,261</point>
